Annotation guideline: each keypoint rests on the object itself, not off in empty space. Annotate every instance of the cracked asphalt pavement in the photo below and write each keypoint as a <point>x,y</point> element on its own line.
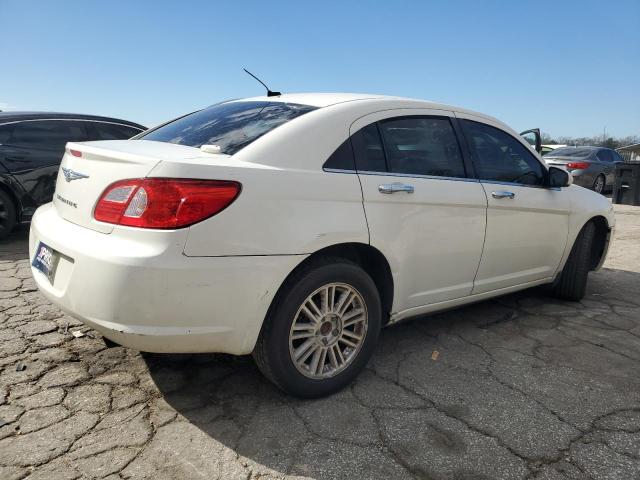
<point>523,386</point>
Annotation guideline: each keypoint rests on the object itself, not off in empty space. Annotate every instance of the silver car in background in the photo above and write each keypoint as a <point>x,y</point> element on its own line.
<point>591,167</point>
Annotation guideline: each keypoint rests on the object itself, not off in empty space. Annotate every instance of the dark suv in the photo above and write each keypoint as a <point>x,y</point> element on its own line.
<point>31,148</point>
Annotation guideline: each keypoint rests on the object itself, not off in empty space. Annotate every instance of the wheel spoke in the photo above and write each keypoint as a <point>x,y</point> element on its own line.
<point>347,342</point>
<point>354,316</point>
<point>302,334</point>
<point>352,335</point>
<point>304,348</point>
<point>313,308</point>
<point>310,314</point>
<point>345,305</point>
<point>323,360</point>
<point>338,354</point>
<point>332,298</point>
<point>317,362</point>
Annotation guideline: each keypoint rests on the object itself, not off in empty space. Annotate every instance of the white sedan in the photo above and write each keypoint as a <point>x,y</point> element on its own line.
<point>294,227</point>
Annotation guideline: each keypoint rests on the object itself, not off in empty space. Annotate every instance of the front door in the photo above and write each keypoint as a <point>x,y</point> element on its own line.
<point>424,213</point>
<point>527,223</point>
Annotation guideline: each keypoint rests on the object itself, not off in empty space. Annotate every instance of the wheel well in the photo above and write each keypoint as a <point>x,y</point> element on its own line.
<point>13,198</point>
<point>600,239</point>
<point>371,261</point>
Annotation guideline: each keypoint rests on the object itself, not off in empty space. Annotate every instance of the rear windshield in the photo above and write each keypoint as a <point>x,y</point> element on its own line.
<point>232,125</point>
<point>570,152</point>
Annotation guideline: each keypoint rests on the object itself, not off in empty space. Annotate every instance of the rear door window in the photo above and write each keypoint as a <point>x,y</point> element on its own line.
<point>232,125</point>
<point>111,131</point>
<point>47,134</point>
<point>500,157</point>
<point>422,146</point>
<point>605,156</point>
<point>342,158</point>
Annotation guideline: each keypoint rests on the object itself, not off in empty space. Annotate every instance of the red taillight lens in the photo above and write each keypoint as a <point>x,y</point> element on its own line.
<point>578,165</point>
<point>75,153</point>
<point>164,202</point>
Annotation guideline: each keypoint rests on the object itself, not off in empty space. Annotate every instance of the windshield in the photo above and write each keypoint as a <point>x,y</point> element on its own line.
<point>232,125</point>
<point>576,152</point>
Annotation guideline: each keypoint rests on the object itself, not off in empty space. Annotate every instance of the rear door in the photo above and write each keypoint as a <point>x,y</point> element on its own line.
<point>425,214</point>
<point>606,160</point>
<point>33,151</point>
<point>527,223</point>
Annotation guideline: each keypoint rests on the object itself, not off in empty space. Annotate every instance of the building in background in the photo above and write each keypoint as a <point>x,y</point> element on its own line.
<point>630,153</point>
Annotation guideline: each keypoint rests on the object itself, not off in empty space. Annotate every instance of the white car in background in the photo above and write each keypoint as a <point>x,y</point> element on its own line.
<point>294,227</point>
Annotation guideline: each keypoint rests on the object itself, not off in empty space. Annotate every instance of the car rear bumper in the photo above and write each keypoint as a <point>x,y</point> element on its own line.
<point>138,289</point>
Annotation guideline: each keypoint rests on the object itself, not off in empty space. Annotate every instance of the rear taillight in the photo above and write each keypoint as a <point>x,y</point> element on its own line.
<point>578,165</point>
<point>164,202</point>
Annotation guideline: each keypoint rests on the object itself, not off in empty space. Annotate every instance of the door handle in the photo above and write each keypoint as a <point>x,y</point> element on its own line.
<point>395,187</point>
<point>503,194</point>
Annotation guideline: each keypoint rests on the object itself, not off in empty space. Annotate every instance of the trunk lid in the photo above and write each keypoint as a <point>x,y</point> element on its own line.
<point>82,179</point>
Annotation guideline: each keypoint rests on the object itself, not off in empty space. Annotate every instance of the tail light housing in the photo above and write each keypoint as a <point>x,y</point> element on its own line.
<point>578,165</point>
<point>164,203</point>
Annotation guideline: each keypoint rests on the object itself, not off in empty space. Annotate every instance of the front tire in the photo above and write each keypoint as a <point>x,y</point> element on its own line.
<point>572,283</point>
<point>7,215</point>
<point>321,329</point>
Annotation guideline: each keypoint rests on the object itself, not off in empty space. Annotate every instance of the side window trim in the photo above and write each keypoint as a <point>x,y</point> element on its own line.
<point>467,154</point>
<point>472,154</point>
<point>385,153</point>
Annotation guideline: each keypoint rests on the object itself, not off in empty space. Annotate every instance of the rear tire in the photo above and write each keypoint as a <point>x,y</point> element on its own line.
<point>572,283</point>
<point>599,184</point>
<point>331,363</point>
<point>7,215</point>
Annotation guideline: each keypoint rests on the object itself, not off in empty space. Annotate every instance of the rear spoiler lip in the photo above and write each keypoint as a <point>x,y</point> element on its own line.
<point>102,148</point>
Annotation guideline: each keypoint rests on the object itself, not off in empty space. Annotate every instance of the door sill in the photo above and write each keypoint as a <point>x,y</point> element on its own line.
<point>457,302</point>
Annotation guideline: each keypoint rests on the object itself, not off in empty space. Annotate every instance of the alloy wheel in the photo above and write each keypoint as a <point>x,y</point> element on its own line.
<point>598,185</point>
<point>328,331</point>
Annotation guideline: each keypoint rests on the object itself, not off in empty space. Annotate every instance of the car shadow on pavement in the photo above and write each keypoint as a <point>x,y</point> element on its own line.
<point>497,389</point>
<point>520,386</point>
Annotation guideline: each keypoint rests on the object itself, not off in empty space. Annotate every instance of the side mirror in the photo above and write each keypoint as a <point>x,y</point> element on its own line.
<point>559,177</point>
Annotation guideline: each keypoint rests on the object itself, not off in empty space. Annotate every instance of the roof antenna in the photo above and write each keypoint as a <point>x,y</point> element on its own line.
<point>269,92</point>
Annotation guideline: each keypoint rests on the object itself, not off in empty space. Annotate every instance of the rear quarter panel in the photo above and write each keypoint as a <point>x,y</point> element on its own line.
<point>278,212</point>
<point>288,204</point>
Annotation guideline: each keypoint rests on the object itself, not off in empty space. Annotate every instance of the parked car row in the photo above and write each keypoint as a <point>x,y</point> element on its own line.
<point>591,167</point>
<point>32,145</point>
<point>31,148</point>
<point>294,227</point>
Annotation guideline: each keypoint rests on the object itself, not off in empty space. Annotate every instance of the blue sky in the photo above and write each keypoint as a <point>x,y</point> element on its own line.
<point>571,68</point>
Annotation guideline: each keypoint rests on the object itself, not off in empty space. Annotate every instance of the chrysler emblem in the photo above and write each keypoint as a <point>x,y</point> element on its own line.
<point>72,175</point>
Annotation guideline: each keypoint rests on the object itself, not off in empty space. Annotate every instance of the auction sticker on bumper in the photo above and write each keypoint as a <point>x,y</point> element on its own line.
<point>45,260</point>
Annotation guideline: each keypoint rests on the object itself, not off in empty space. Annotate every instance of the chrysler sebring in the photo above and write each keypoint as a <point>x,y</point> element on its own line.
<point>294,227</point>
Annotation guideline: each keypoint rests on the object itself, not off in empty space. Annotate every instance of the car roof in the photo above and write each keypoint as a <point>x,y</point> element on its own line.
<point>14,116</point>
<point>579,147</point>
<point>321,100</point>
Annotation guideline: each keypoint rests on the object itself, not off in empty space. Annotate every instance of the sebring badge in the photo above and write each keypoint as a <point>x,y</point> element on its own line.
<point>72,175</point>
